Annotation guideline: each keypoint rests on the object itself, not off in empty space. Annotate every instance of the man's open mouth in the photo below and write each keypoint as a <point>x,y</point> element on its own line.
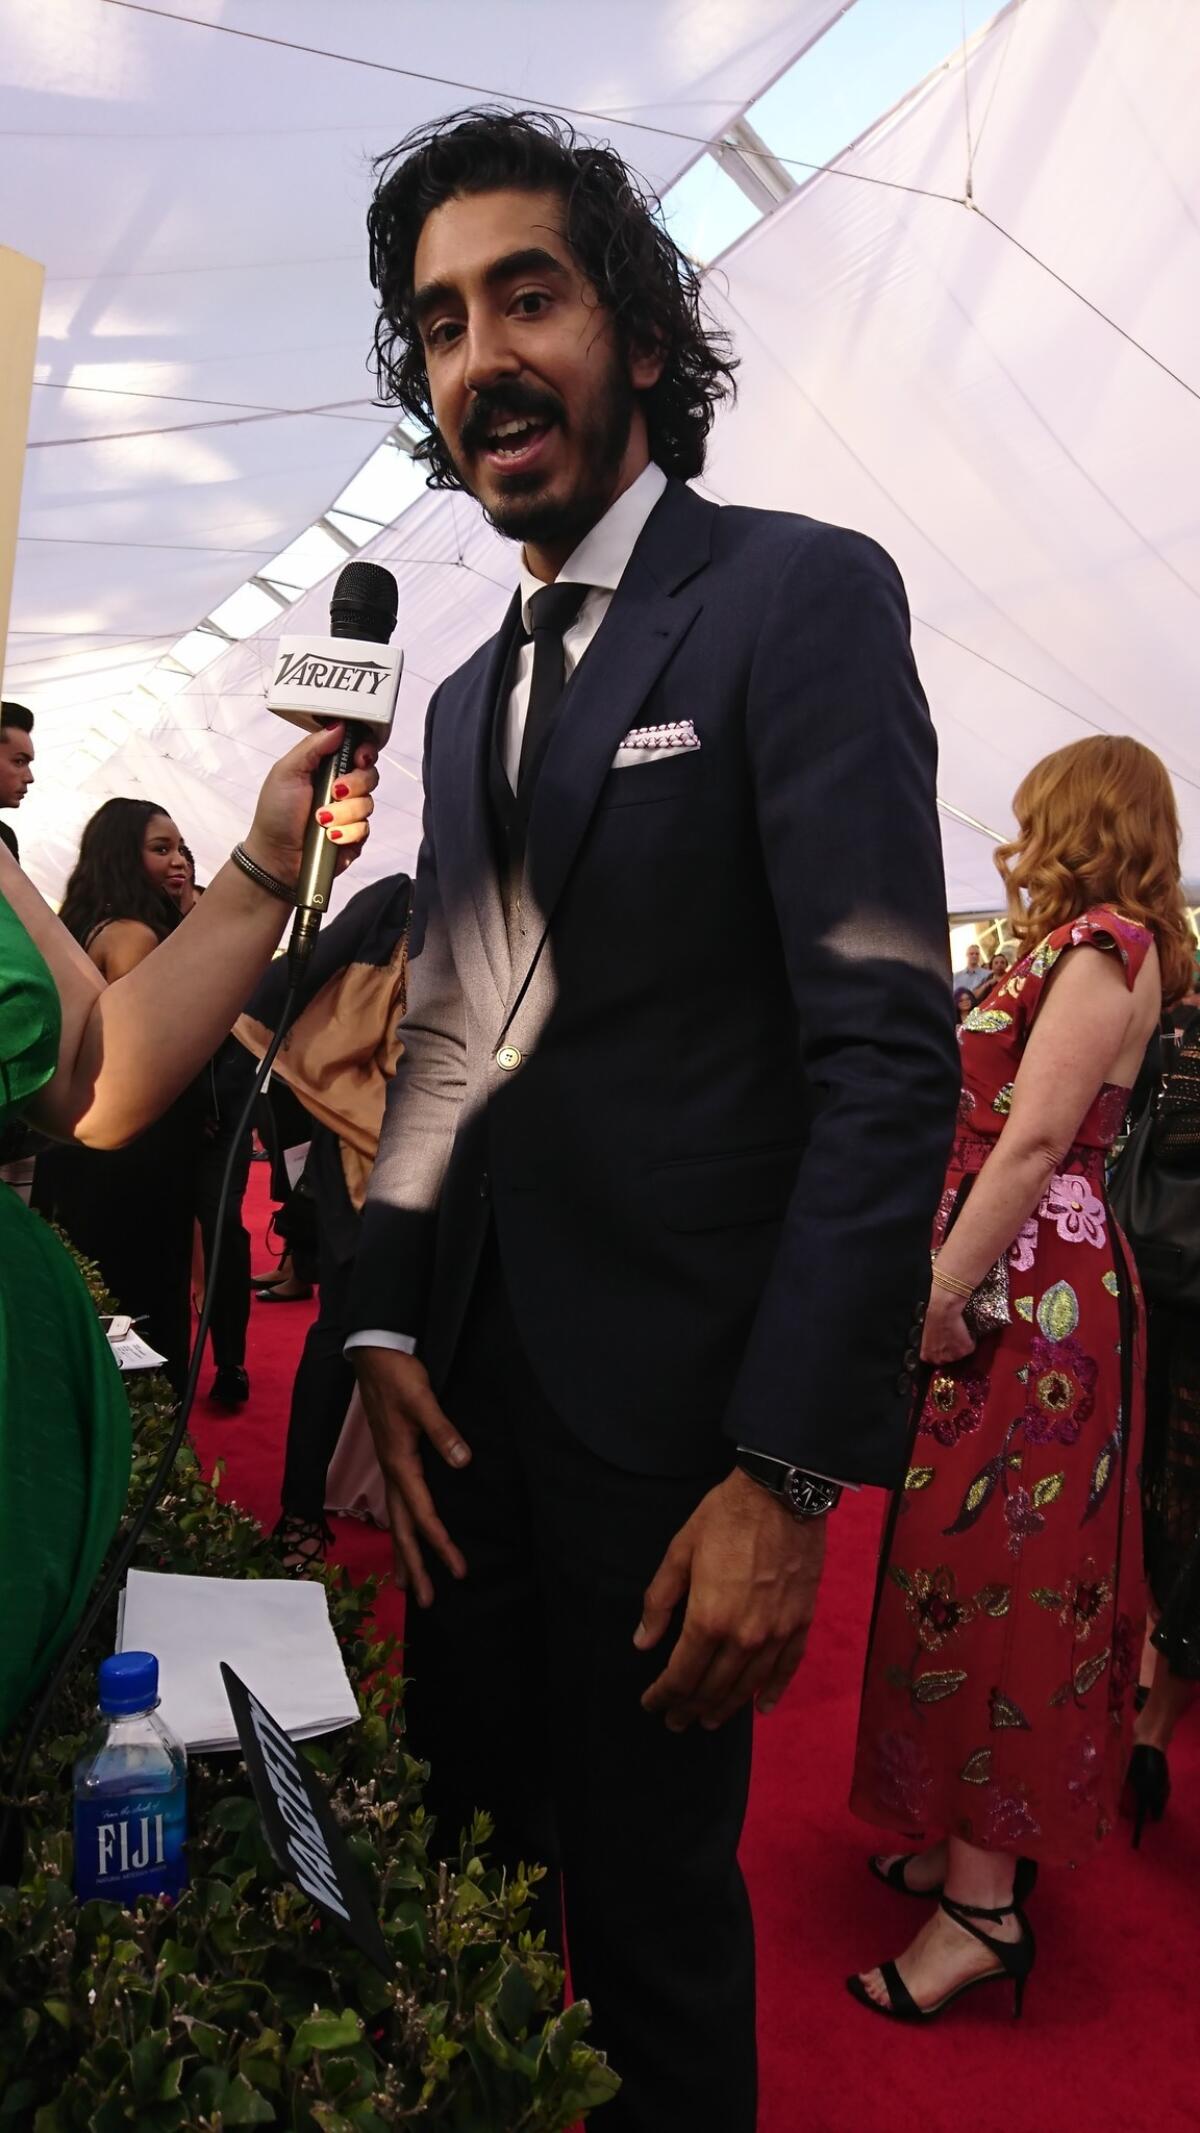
<point>515,439</point>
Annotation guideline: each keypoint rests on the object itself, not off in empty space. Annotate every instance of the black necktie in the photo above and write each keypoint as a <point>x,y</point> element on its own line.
<point>551,613</point>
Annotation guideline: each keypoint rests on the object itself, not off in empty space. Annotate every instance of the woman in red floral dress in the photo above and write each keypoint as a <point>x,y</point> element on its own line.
<point>1007,1627</point>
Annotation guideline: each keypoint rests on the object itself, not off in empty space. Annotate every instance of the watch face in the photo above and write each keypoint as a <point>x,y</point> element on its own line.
<point>808,1497</point>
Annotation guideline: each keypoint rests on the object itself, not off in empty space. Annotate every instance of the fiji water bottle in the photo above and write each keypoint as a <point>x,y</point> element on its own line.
<point>130,1792</point>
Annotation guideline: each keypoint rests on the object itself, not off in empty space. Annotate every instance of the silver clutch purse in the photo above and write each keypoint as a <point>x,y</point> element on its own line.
<point>987,1309</point>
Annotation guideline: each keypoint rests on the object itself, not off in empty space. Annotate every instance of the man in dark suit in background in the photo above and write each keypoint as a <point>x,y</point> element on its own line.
<point>16,763</point>
<point>647,1241</point>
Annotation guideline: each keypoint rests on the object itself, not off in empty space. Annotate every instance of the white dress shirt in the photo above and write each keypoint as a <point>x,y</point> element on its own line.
<point>598,562</point>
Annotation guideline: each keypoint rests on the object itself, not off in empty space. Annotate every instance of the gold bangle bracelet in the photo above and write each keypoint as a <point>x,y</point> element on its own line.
<point>955,1287</point>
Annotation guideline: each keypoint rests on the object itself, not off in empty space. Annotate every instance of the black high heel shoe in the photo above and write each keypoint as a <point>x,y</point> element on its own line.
<point>893,1877</point>
<point>1148,1784</point>
<point>300,1543</point>
<point>1015,1957</point>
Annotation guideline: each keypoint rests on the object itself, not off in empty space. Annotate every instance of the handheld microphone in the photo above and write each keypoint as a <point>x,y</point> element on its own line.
<point>353,675</point>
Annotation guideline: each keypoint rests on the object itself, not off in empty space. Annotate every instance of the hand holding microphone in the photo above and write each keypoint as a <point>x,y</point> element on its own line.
<point>350,678</point>
<point>286,810</point>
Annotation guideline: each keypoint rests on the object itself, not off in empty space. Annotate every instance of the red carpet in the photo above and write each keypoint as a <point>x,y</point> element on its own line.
<point>1110,2038</point>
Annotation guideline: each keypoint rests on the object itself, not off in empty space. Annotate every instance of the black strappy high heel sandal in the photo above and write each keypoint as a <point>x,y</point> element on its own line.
<point>1015,1957</point>
<point>893,1877</point>
<point>300,1543</point>
<point>1148,1786</point>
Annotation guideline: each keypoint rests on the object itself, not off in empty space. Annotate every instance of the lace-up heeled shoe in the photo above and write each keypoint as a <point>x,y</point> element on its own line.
<point>300,1543</point>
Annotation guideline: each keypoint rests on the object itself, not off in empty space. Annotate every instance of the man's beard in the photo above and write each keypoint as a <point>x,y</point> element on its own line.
<point>522,513</point>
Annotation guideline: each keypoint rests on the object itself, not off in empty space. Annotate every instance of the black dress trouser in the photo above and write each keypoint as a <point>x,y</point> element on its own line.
<point>321,1392</point>
<point>231,1303</point>
<point>525,1698</point>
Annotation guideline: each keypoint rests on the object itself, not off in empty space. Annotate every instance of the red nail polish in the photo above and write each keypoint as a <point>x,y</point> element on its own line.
<point>335,834</point>
<point>324,815</point>
<point>340,791</point>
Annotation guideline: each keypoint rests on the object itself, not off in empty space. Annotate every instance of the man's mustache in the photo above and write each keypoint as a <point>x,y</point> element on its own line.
<point>506,403</point>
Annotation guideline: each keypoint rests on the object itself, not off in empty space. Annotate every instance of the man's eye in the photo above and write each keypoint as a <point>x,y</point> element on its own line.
<point>531,301</point>
<point>442,334</point>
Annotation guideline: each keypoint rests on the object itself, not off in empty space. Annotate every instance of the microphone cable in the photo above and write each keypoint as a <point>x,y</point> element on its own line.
<point>11,1831</point>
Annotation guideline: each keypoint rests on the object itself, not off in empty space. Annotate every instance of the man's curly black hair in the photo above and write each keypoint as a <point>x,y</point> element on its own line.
<point>641,277</point>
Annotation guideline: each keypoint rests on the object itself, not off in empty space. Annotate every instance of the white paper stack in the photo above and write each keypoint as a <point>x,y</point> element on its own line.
<point>133,1353</point>
<point>274,1632</point>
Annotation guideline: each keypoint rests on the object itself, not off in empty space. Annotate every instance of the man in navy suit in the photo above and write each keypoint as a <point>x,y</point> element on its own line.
<point>645,1252</point>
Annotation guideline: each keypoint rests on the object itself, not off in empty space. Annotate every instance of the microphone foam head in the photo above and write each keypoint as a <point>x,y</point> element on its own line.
<point>364,603</point>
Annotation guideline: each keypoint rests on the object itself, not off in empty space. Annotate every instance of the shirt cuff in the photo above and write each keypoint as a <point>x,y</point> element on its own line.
<point>375,1337</point>
<point>853,1486</point>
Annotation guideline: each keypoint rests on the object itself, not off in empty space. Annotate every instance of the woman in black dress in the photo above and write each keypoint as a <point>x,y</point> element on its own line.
<point>1171,1467</point>
<point>132,1209</point>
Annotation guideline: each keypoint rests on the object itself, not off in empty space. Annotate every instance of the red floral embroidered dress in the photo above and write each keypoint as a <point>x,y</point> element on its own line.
<point>1010,1608</point>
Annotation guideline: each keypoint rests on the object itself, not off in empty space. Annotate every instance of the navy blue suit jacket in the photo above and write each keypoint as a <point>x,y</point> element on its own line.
<point>714,1160</point>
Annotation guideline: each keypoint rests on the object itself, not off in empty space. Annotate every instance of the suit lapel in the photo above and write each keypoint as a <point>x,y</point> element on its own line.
<point>465,842</point>
<point>651,612</point>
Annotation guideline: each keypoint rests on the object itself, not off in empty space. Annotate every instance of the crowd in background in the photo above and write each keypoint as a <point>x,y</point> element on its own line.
<point>147,1214</point>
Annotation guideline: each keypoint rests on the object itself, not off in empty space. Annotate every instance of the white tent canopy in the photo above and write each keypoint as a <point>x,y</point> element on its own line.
<point>1015,416</point>
<point>999,391</point>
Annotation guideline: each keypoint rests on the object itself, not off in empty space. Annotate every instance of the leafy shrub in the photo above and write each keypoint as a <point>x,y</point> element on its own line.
<point>241,2005</point>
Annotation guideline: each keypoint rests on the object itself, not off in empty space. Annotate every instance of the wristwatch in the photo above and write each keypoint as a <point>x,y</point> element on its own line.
<point>804,1495</point>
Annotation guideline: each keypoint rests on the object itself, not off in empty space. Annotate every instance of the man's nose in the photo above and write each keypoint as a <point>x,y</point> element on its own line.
<point>490,354</point>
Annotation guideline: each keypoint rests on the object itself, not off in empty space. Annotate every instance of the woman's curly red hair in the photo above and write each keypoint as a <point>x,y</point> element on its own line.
<point>1097,824</point>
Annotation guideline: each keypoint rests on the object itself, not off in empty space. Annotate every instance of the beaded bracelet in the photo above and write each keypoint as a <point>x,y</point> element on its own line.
<point>259,875</point>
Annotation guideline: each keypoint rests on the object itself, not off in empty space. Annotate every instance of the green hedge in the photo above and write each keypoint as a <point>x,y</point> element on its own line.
<point>241,2005</point>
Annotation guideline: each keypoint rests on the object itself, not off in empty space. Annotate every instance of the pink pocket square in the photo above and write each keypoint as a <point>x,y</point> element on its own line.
<point>648,744</point>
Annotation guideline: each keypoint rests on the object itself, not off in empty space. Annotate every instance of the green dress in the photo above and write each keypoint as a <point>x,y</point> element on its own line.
<point>64,1418</point>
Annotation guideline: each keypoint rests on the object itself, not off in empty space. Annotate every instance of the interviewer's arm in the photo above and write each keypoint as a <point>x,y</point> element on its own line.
<point>127,1049</point>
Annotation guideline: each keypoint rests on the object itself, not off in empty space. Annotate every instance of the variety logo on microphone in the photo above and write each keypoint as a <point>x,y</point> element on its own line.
<point>319,678</point>
<point>304,671</point>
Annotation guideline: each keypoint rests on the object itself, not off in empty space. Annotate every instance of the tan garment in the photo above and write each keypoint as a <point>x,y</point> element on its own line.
<point>340,1054</point>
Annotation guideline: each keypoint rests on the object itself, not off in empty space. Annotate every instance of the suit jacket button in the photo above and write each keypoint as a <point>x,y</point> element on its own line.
<point>911,1358</point>
<point>904,1384</point>
<point>507,1058</point>
<point>485,1184</point>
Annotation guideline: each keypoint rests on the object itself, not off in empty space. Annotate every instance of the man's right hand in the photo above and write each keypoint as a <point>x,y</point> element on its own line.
<point>401,1409</point>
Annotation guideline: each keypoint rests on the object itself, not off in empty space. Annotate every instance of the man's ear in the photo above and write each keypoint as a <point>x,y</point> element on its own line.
<point>647,362</point>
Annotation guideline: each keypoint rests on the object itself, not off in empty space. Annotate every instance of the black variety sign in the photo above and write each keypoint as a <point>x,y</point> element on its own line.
<point>299,1825</point>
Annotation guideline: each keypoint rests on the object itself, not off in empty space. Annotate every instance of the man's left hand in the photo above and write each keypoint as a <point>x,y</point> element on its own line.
<point>749,1572</point>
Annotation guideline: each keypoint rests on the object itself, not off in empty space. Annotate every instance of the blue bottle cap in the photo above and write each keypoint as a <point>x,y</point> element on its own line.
<point>128,1682</point>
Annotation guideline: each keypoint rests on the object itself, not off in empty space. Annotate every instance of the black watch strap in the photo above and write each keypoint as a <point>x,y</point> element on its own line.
<point>804,1495</point>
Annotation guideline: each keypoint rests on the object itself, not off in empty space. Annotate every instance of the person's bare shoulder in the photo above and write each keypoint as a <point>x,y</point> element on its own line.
<point>121,946</point>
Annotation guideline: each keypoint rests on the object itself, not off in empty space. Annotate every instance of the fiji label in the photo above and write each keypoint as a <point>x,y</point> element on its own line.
<point>130,1847</point>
